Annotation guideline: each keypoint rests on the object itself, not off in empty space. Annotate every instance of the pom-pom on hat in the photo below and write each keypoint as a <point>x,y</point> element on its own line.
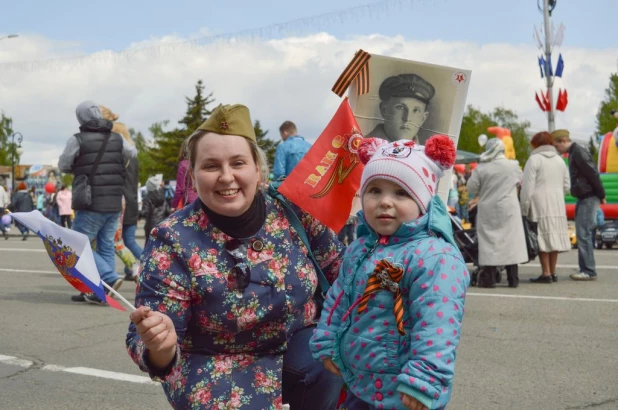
<point>416,168</point>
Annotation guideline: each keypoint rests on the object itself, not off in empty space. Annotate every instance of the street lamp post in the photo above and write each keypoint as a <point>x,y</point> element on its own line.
<point>19,150</point>
<point>9,36</point>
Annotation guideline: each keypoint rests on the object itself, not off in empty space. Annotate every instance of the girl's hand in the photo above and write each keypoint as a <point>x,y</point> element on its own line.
<point>411,403</point>
<point>332,367</point>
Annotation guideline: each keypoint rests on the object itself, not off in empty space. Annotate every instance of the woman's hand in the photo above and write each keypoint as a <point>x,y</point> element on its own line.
<point>332,367</point>
<point>411,403</point>
<point>157,332</point>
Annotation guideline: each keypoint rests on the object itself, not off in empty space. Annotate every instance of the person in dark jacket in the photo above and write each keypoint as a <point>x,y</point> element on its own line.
<point>21,202</point>
<point>155,207</point>
<point>129,192</point>
<point>587,188</point>
<point>99,220</point>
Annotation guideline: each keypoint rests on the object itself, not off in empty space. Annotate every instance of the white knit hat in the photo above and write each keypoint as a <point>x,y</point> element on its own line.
<point>416,168</point>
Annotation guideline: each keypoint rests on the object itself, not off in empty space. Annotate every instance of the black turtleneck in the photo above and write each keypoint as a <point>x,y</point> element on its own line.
<point>242,226</point>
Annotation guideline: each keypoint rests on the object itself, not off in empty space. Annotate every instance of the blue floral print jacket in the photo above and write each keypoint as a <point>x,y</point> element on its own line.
<point>230,343</point>
<point>376,362</point>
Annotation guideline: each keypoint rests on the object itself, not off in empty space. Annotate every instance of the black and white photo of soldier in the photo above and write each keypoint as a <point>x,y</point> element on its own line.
<point>404,106</point>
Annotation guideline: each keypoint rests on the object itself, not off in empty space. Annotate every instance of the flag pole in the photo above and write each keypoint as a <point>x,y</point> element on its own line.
<point>126,302</point>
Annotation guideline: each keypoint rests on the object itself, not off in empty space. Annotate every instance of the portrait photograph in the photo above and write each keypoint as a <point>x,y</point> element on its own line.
<point>411,100</point>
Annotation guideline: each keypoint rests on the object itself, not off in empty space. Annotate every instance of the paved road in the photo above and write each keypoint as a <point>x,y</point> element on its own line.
<point>536,347</point>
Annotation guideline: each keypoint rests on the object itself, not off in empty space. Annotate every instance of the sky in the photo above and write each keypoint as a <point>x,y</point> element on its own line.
<point>141,58</point>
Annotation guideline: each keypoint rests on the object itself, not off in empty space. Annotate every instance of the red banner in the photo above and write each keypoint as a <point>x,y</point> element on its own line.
<point>325,180</point>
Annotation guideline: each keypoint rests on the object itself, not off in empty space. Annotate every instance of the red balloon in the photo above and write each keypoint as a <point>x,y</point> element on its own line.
<point>460,168</point>
<point>50,187</point>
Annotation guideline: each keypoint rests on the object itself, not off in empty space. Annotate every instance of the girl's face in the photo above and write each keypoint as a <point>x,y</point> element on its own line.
<point>225,175</point>
<point>387,206</point>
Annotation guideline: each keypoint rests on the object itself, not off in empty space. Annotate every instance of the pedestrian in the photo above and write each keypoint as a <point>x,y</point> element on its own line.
<point>40,203</point>
<point>154,207</point>
<point>64,199</point>
<point>184,193</point>
<point>391,321</point>
<point>4,203</point>
<point>290,151</point>
<point>499,224</point>
<point>21,202</point>
<point>545,182</point>
<point>226,300</point>
<point>587,188</point>
<point>125,241</point>
<point>96,156</point>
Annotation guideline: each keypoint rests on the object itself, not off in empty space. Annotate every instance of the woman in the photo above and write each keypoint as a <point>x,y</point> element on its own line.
<point>184,194</point>
<point>499,226</point>
<point>64,197</point>
<point>226,295</point>
<point>21,202</point>
<point>546,181</point>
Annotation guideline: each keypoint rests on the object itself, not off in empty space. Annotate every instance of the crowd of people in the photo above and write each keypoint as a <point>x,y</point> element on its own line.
<point>242,297</point>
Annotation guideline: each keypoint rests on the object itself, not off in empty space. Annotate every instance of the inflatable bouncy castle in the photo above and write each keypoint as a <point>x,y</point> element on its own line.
<point>608,169</point>
<point>505,135</point>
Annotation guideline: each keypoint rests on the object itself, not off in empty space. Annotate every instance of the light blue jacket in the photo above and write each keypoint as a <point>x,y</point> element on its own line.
<point>375,361</point>
<point>288,154</point>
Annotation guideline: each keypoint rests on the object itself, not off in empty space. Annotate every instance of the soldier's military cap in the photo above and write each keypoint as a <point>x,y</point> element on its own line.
<point>407,85</point>
<point>559,134</point>
<point>230,120</point>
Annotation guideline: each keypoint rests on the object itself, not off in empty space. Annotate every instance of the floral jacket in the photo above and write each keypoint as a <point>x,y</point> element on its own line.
<point>230,343</point>
<point>376,361</point>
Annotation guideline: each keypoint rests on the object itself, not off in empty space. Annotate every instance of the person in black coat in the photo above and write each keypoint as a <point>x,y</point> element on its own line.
<point>154,207</point>
<point>21,202</point>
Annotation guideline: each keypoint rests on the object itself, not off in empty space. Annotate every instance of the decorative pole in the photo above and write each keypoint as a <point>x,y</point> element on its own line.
<point>551,126</point>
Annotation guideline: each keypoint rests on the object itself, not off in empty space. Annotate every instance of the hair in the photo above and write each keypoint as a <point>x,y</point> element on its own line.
<point>107,114</point>
<point>120,128</point>
<point>63,187</point>
<point>258,154</point>
<point>289,127</point>
<point>22,185</point>
<point>541,138</point>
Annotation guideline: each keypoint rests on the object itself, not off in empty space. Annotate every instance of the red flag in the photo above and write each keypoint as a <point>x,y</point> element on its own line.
<point>565,100</point>
<point>538,100</point>
<point>325,180</point>
<point>559,106</point>
<point>546,102</point>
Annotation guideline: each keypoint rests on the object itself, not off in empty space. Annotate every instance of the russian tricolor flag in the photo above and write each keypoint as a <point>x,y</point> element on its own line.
<point>71,254</point>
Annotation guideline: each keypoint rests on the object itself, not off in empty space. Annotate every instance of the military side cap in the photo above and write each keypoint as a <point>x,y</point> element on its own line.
<point>230,120</point>
<point>407,85</point>
<point>558,134</point>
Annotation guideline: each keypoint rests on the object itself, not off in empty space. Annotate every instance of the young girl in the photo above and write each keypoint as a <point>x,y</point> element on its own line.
<point>391,322</point>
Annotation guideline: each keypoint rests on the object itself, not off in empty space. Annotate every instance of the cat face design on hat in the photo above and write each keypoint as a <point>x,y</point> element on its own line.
<point>416,168</point>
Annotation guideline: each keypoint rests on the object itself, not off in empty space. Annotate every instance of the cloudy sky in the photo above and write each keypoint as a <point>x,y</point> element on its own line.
<point>280,60</point>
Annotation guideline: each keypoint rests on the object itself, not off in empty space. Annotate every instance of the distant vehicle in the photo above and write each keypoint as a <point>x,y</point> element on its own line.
<point>606,235</point>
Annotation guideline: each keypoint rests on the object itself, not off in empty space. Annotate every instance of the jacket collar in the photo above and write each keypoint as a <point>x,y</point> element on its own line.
<point>98,125</point>
<point>436,222</point>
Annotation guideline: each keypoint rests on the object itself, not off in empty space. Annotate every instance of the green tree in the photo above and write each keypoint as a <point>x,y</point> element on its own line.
<point>166,144</point>
<point>147,165</point>
<point>6,148</point>
<point>269,146</point>
<point>606,122</point>
<point>476,123</point>
<point>594,149</point>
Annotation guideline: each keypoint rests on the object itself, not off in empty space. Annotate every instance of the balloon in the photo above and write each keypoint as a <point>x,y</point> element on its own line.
<point>6,219</point>
<point>460,168</point>
<point>50,187</point>
<point>482,139</point>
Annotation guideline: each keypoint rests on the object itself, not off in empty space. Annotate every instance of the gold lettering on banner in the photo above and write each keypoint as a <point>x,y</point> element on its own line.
<point>321,169</point>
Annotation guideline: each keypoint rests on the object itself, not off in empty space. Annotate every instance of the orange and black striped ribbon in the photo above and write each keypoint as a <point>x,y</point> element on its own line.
<point>374,285</point>
<point>358,70</point>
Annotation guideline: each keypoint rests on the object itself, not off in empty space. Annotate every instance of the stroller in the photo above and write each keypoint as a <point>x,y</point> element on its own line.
<point>467,243</point>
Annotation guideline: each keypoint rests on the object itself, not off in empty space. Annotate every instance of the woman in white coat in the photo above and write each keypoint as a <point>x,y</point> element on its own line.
<point>499,226</point>
<point>546,181</point>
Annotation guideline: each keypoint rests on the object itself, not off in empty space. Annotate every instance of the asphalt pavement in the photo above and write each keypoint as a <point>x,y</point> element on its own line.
<point>535,347</point>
